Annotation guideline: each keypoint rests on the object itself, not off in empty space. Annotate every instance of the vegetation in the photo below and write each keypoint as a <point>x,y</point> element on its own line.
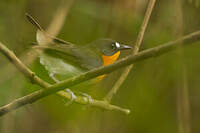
<point>161,92</point>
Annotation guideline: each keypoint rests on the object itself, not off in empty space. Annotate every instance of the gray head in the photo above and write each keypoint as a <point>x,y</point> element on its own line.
<point>109,47</point>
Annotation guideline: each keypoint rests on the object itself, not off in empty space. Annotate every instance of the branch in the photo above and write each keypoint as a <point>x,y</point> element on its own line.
<point>53,29</point>
<point>36,80</point>
<point>59,17</point>
<point>146,54</point>
<point>136,48</point>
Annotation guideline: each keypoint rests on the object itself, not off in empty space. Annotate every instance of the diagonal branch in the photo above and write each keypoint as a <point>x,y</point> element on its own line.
<point>36,80</point>
<point>136,48</point>
<point>53,29</point>
<point>146,54</point>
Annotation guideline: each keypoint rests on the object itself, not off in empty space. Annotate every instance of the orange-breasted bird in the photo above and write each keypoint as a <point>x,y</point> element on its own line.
<point>63,59</point>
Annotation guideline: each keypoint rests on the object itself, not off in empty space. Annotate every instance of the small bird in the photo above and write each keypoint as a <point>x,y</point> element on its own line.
<point>63,59</point>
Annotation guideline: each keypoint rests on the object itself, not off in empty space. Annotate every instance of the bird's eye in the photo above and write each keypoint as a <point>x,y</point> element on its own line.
<point>117,45</point>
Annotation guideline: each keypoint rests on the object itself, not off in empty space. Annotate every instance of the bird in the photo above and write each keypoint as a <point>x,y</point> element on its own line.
<point>63,59</point>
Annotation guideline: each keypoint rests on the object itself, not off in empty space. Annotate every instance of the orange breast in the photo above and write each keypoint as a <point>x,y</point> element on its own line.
<point>109,60</point>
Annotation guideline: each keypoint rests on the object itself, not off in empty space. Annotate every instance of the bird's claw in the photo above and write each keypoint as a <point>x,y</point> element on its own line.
<point>90,100</point>
<point>73,96</point>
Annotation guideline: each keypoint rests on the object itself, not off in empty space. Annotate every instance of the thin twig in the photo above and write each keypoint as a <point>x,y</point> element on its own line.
<point>146,54</point>
<point>136,48</point>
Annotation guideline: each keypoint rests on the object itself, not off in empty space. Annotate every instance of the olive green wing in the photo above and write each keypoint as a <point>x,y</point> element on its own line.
<point>81,57</point>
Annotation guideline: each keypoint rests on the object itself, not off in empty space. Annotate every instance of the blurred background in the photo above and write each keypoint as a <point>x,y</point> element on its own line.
<point>162,93</point>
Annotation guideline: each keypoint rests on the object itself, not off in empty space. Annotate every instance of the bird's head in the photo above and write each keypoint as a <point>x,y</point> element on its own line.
<point>109,47</point>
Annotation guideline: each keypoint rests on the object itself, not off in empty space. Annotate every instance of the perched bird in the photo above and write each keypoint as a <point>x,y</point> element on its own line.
<point>63,59</point>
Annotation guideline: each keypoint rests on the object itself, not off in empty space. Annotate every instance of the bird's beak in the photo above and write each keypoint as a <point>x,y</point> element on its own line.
<point>124,47</point>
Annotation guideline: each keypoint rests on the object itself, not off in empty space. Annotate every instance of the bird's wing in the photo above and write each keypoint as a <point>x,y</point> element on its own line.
<point>79,56</point>
<point>82,57</point>
<point>60,41</point>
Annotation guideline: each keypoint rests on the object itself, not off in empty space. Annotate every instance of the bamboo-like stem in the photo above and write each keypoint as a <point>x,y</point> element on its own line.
<point>59,18</point>
<point>146,54</point>
<point>183,101</point>
<point>136,48</point>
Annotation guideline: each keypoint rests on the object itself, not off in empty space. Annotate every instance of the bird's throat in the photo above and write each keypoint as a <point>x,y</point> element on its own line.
<point>109,60</point>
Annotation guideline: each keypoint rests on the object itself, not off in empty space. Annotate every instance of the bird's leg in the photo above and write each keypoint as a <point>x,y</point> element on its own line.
<point>52,77</point>
<point>73,96</point>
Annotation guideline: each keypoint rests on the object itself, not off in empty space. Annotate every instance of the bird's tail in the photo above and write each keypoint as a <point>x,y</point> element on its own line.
<point>33,21</point>
<point>42,37</point>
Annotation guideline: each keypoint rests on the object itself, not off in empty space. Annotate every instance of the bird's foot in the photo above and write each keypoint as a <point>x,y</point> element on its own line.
<point>90,100</point>
<point>73,96</point>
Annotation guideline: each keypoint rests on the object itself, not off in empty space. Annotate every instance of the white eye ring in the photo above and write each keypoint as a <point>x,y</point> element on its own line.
<point>117,45</point>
